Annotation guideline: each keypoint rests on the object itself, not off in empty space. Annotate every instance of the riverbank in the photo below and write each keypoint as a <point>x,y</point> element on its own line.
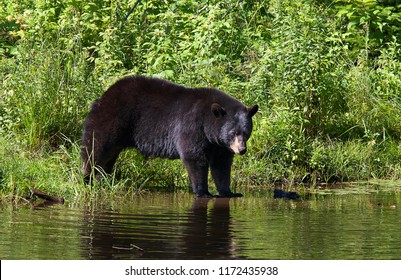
<point>325,76</point>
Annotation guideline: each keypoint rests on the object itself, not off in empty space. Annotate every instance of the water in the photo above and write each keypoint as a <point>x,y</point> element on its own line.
<point>335,225</point>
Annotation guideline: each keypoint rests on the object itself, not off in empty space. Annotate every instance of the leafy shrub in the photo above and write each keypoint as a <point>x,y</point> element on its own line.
<point>46,96</point>
<point>368,25</point>
<point>325,75</point>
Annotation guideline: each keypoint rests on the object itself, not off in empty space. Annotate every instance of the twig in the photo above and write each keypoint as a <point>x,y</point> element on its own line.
<point>132,246</point>
<point>130,12</point>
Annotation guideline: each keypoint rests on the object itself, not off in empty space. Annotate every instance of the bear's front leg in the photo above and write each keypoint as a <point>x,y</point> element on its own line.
<point>197,172</point>
<point>220,165</point>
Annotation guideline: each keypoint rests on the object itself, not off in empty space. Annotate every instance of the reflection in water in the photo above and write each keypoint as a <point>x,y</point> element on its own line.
<point>202,232</point>
<point>336,225</point>
<point>207,234</point>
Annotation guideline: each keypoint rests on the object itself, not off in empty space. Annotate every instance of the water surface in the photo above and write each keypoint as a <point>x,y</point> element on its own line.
<point>336,225</point>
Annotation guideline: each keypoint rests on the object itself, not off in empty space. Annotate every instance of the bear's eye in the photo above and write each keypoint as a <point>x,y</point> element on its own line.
<point>232,133</point>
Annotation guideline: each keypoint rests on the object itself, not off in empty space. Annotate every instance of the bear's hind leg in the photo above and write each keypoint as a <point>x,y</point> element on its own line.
<point>100,159</point>
<point>87,163</point>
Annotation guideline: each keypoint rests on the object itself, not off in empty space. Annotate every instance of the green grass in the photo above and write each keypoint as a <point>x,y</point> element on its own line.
<point>329,92</point>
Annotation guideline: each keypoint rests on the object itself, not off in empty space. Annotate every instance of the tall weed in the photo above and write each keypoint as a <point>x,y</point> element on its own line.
<point>323,73</point>
<point>47,91</point>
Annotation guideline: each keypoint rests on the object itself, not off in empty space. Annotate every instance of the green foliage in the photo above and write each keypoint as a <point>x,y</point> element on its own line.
<point>324,73</point>
<point>55,172</point>
<point>45,95</point>
<point>306,76</point>
<point>355,160</point>
<point>368,25</point>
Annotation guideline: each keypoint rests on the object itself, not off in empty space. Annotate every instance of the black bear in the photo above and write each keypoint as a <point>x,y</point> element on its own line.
<point>204,127</point>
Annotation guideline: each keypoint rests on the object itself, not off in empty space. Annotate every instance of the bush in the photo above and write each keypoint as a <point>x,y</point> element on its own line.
<point>325,75</point>
<point>46,95</point>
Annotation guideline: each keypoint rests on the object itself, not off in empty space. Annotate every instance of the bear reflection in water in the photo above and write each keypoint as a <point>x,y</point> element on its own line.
<point>187,234</point>
<point>204,127</point>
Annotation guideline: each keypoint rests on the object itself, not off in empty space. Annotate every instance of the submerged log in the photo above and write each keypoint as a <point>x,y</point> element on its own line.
<point>47,197</point>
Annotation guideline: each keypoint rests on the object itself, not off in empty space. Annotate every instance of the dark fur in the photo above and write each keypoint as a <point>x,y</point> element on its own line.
<point>162,119</point>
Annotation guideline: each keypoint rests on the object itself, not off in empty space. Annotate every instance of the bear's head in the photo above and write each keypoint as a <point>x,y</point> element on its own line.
<point>235,126</point>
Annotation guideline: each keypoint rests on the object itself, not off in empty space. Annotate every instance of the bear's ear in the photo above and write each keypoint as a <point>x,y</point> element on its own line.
<point>218,111</point>
<point>252,110</point>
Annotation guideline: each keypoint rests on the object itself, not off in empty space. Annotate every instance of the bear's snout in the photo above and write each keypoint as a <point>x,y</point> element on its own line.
<point>238,146</point>
<point>242,151</point>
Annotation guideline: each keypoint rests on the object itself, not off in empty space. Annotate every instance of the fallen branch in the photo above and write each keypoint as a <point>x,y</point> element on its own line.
<point>42,195</point>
